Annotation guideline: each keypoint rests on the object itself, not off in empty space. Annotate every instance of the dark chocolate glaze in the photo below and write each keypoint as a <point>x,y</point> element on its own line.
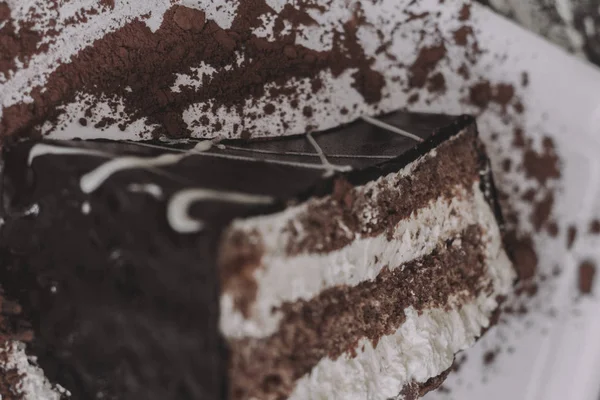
<point>121,304</point>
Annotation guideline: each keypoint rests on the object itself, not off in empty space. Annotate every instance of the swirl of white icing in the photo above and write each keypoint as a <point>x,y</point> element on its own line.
<point>42,149</point>
<point>93,180</point>
<point>177,209</point>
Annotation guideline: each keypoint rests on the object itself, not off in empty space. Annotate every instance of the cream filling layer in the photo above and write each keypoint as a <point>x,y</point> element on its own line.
<point>33,384</point>
<point>423,347</point>
<point>283,279</point>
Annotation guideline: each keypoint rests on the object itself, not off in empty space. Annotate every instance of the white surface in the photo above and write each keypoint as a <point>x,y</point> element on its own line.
<point>555,358</point>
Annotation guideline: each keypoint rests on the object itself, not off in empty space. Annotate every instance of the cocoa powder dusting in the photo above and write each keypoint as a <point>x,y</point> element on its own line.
<point>367,81</point>
<point>140,66</point>
<point>524,256</point>
<point>427,60</point>
<point>465,12</point>
<point>552,229</point>
<point>587,274</point>
<point>461,35</point>
<point>571,237</point>
<point>542,166</point>
<point>542,211</point>
<point>18,41</point>
<point>595,227</point>
<point>489,357</point>
<point>437,83</point>
<point>503,94</point>
<point>480,94</point>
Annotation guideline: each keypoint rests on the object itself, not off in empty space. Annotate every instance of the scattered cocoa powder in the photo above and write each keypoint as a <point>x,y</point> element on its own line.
<point>542,211</point>
<point>571,236</point>
<point>519,138</point>
<point>461,35</point>
<point>524,256</point>
<point>552,228</point>
<point>18,41</point>
<point>139,66</point>
<point>519,107</point>
<point>427,60</point>
<point>524,79</point>
<point>413,16</point>
<point>413,98</point>
<point>480,94</point>
<point>465,12</point>
<point>587,273</point>
<point>464,72</point>
<point>437,83</point>
<point>529,195</point>
<point>459,361</point>
<point>489,357</point>
<point>503,94</point>
<point>108,3</point>
<point>269,108</point>
<point>307,111</point>
<point>542,166</point>
<point>595,227</point>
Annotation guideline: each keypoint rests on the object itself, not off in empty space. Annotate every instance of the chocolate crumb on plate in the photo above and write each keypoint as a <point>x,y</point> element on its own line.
<point>587,274</point>
<point>571,236</point>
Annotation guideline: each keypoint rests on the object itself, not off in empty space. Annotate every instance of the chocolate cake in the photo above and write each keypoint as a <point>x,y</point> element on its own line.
<point>347,264</point>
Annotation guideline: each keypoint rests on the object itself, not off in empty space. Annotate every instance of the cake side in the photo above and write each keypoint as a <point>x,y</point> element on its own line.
<point>337,296</point>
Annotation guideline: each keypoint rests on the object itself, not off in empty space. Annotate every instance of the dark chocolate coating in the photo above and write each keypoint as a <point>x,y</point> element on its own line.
<point>120,303</point>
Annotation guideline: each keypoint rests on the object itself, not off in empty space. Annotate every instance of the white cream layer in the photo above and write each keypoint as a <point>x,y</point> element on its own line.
<point>282,278</point>
<point>424,345</point>
<point>33,385</point>
<point>422,348</point>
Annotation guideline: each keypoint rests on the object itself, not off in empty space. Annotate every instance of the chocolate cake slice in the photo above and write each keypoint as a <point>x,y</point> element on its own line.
<point>347,264</point>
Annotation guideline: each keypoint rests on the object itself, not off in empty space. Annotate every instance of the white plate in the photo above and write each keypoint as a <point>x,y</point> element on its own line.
<point>555,357</point>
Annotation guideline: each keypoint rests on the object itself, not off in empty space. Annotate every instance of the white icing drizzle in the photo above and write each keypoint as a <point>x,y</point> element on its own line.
<point>244,158</point>
<point>391,128</point>
<point>150,188</point>
<point>86,208</point>
<point>42,149</point>
<point>33,210</point>
<point>302,153</point>
<point>168,140</point>
<point>94,179</point>
<point>329,168</point>
<point>203,145</point>
<point>179,204</point>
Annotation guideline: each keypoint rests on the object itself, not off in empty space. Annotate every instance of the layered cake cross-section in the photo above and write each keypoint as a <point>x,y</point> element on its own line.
<point>347,264</point>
